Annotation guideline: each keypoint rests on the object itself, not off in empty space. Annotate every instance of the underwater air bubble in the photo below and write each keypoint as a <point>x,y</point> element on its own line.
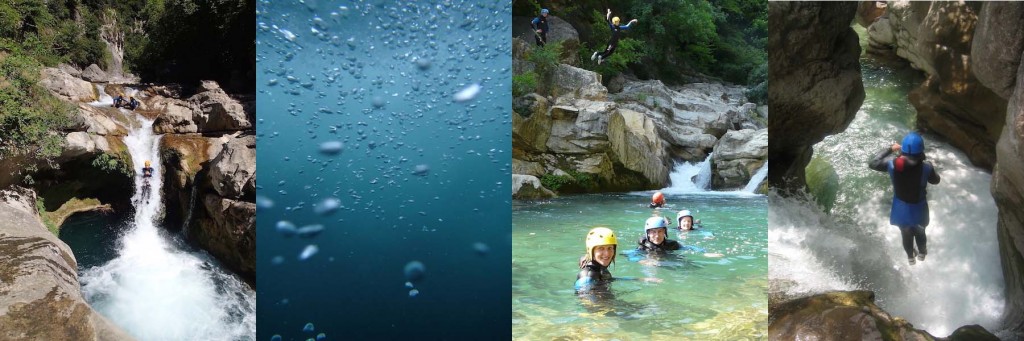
<point>263,203</point>
<point>414,270</point>
<point>423,64</point>
<point>378,102</point>
<point>308,328</point>
<point>286,228</point>
<point>310,231</point>
<point>275,338</point>
<point>481,248</point>
<point>413,293</point>
<point>421,170</point>
<point>408,285</point>
<point>277,260</point>
<point>309,251</point>
<point>468,93</point>
<point>331,147</point>
<point>321,337</point>
<point>327,206</point>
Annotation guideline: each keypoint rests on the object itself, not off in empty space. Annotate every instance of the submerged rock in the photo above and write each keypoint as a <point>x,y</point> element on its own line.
<point>40,297</point>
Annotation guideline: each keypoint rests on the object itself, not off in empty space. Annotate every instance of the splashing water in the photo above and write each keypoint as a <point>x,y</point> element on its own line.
<point>154,289</point>
<point>688,177</point>
<point>756,179</point>
<point>959,283</point>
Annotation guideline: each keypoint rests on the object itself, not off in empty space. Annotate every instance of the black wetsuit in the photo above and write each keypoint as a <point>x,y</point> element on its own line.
<point>133,103</point>
<point>910,176</point>
<point>540,23</point>
<point>118,102</point>
<point>666,245</point>
<point>655,205</point>
<point>147,172</point>
<point>614,42</point>
<point>592,277</point>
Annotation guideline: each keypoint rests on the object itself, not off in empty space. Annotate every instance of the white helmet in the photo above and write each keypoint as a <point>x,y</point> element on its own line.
<point>655,223</point>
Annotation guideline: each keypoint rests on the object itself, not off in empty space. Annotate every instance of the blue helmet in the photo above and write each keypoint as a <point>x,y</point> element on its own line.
<point>543,11</point>
<point>913,144</point>
<point>655,223</point>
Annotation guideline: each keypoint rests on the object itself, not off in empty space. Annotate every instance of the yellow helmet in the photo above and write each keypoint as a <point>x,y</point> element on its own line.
<point>615,20</point>
<point>147,163</point>
<point>600,236</point>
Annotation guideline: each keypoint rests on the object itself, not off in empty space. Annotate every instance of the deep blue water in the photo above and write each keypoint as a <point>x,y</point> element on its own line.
<point>354,74</point>
<point>93,236</point>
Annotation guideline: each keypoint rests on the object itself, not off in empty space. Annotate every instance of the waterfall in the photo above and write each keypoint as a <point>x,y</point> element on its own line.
<point>757,178</point>
<point>688,177</point>
<point>157,289</point>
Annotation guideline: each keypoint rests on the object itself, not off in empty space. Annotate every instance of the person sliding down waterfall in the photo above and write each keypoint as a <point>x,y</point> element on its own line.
<point>910,174</point>
<point>613,23</point>
<point>147,172</point>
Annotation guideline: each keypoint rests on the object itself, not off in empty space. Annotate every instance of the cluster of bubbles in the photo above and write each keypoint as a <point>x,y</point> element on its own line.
<point>361,87</point>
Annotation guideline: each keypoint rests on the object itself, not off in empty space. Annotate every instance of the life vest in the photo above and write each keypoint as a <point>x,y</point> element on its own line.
<point>909,200</point>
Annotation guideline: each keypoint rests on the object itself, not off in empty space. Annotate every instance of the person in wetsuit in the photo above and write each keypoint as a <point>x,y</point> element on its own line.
<point>601,248</point>
<point>910,175</point>
<point>686,222</point>
<point>132,103</point>
<point>540,28</point>
<point>655,237</point>
<point>147,171</point>
<point>613,23</point>
<point>657,200</point>
<point>119,101</point>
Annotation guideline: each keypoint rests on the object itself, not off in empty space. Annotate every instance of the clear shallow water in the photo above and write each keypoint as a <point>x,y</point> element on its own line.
<point>700,296</point>
<point>381,78</point>
<point>855,247</point>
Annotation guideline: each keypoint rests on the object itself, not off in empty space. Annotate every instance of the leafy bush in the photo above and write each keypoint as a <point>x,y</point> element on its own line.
<point>112,164</point>
<point>757,92</point>
<point>546,58</point>
<point>30,118</point>
<point>554,182</point>
<point>523,84</point>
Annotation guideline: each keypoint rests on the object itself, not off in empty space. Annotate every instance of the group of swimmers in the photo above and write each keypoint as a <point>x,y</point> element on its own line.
<point>602,245</point>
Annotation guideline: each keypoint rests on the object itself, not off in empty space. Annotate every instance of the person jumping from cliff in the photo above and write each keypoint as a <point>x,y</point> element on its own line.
<point>540,28</point>
<point>910,175</point>
<point>613,23</point>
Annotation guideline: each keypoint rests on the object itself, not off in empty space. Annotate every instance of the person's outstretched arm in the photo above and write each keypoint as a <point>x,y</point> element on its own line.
<point>626,26</point>
<point>608,19</point>
<point>879,163</point>
<point>534,23</point>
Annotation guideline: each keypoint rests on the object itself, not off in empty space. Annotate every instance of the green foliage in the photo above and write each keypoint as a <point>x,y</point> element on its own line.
<point>112,164</point>
<point>546,58</point>
<point>578,180</point>
<point>523,84</point>
<point>41,209</point>
<point>554,182</point>
<point>187,40</point>
<point>629,51</point>
<point>723,38</point>
<point>757,92</point>
<point>30,118</point>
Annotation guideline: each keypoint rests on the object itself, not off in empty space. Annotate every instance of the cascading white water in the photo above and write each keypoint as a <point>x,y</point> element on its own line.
<point>960,282</point>
<point>756,179</point>
<point>688,177</point>
<point>154,289</point>
<point>106,100</point>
